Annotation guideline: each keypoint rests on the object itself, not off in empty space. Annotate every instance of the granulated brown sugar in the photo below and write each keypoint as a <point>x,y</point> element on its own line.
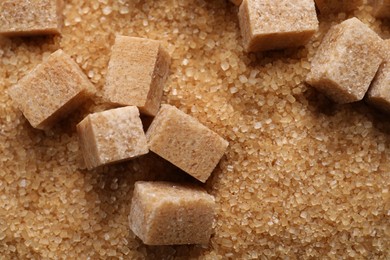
<point>302,177</point>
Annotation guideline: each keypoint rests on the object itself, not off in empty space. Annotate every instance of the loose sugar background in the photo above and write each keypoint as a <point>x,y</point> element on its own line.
<point>303,177</point>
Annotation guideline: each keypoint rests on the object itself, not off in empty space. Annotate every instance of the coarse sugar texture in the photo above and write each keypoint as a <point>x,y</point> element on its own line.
<point>270,25</point>
<point>30,17</point>
<point>51,90</point>
<point>347,61</point>
<point>166,213</point>
<point>380,8</point>
<point>137,71</point>
<point>379,92</point>
<point>303,177</point>
<point>183,141</point>
<point>112,136</point>
<point>337,6</point>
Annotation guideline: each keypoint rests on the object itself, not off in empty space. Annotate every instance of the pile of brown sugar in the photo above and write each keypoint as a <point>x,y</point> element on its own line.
<point>303,177</point>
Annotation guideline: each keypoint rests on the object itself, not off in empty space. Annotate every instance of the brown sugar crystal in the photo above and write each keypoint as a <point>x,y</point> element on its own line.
<point>165,213</point>
<point>183,141</point>
<point>136,73</point>
<point>381,8</point>
<point>51,91</point>
<point>346,61</point>
<point>337,6</point>
<point>112,136</point>
<point>30,17</point>
<point>267,25</point>
<point>379,93</point>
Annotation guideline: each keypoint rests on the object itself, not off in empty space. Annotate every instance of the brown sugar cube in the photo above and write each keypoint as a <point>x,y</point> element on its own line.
<point>51,91</point>
<point>337,6</point>
<point>379,93</point>
<point>346,61</point>
<point>30,17</point>
<point>165,213</point>
<point>381,8</point>
<point>183,141</point>
<point>112,136</point>
<point>268,24</point>
<point>137,71</point>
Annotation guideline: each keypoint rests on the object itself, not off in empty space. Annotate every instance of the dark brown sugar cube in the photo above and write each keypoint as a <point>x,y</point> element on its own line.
<point>30,17</point>
<point>337,6</point>
<point>112,136</point>
<point>185,142</point>
<point>137,71</point>
<point>51,90</point>
<point>268,25</point>
<point>165,213</point>
<point>346,61</point>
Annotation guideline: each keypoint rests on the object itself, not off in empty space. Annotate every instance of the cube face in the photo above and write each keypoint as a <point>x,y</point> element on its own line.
<point>30,17</point>
<point>51,90</point>
<point>183,141</point>
<point>381,8</point>
<point>337,6</point>
<point>346,61</point>
<point>112,136</point>
<point>165,213</point>
<point>379,93</point>
<point>137,71</point>
<point>268,25</point>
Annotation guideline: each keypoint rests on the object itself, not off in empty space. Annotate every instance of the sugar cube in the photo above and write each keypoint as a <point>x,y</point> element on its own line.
<point>379,93</point>
<point>25,17</point>
<point>346,61</point>
<point>185,142</point>
<point>267,24</point>
<point>51,91</point>
<point>112,136</point>
<point>137,71</point>
<point>165,213</point>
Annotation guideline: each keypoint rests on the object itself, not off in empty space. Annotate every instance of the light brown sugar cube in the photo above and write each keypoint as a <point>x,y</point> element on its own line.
<point>268,25</point>
<point>112,136</point>
<point>337,6</point>
<point>346,61</point>
<point>381,8</point>
<point>165,213</point>
<point>379,93</point>
<point>30,17</point>
<point>51,90</point>
<point>186,143</point>
<point>137,71</point>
